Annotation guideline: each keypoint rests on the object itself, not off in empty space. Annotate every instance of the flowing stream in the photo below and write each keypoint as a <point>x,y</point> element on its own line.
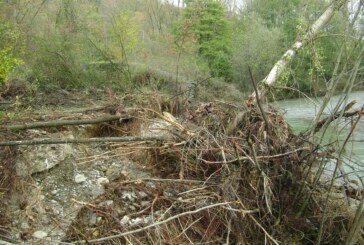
<point>299,114</point>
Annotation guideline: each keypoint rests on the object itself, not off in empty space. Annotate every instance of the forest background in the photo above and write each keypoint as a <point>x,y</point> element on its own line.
<point>132,44</point>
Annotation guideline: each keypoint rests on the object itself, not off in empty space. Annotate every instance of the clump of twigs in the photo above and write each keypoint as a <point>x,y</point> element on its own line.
<point>7,165</point>
<point>126,127</point>
<point>8,183</point>
<point>14,87</point>
<point>149,203</point>
<point>220,181</point>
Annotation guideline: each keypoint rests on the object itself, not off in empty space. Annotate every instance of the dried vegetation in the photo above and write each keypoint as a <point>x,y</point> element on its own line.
<point>225,174</point>
<point>220,178</point>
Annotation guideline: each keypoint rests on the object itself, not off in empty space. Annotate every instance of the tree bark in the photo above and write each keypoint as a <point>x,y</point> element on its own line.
<point>287,57</point>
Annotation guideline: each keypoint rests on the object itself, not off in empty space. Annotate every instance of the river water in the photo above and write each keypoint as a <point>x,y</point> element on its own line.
<point>299,114</point>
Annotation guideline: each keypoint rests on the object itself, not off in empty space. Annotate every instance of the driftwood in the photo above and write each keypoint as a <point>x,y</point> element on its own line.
<point>339,114</point>
<point>85,140</point>
<point>57,123</point>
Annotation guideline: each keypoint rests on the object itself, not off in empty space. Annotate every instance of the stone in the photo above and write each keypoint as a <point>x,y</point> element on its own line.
<point>25,225</point>
<point>99,219</point>
<point>150,185</point>
<point>129,195</point>
<point>102,181</point>
<point>147,220</point>
<point>113,172</point>
<point>124,220</point>
<point>145,203</point>
<point>36,159</point>
<point>92,219</point>
<point>96,233</point>
<point>142,194</point>
<point>106,203</point>
<point>136,221</point>
<point>40,234</point>
<point>79,178</point>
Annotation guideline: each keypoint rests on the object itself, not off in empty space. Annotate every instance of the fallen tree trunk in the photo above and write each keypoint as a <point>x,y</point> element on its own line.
<point>288,56</point>
<point>57,123</point>
<point>83,141</point>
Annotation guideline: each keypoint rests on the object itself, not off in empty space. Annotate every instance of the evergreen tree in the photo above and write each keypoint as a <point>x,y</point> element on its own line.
<point>208,22</point>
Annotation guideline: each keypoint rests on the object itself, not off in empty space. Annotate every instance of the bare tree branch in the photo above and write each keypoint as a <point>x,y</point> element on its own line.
<point>84,141</point>
<point>152,225</point>
<point>57,123</point>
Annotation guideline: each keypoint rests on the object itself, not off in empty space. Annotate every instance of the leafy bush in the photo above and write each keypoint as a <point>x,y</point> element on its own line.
<point>11,46</point>
<point>7,63</point>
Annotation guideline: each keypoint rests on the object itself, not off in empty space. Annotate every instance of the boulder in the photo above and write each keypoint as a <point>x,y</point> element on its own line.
<point>35,159</point>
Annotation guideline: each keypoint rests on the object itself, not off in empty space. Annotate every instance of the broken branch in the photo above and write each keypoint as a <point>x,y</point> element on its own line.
<point>57,123</point>
<point>154,224</point>
<point>331,118</point>
<point>84,141</point>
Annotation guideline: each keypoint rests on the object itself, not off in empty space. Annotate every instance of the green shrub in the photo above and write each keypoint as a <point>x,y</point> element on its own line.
<point>11,46</point>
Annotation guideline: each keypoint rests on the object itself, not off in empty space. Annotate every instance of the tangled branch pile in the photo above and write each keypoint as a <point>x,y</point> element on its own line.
<point>219,182</point>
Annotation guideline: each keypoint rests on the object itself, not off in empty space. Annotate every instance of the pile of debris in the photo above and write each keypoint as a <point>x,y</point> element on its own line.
<point>214,177</point>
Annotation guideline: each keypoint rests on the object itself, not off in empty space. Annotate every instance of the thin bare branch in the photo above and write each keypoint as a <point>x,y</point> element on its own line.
<point>152,225</point>
<point>57,123</point>
<point>79,141</point>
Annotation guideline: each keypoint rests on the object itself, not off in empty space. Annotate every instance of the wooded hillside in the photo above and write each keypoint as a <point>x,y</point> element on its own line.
<point>83,44</point>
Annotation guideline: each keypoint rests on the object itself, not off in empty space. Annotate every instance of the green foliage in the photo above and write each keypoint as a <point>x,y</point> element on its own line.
<point>282,14</point>
<point>60,56</point>
<point>208,23</point>
<point>124,34</point>
<point>257,46</point>
<point>66,37</point>
<point>7,63</point>
<point>82,47</point>
<point>55,62</point>
<point>315,63</point>
<point>11,46</point>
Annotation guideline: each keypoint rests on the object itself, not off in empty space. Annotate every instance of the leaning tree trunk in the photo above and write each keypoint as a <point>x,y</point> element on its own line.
<point>287,57</point>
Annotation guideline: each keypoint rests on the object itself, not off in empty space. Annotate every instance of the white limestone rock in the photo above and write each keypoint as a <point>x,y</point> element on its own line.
<point>79,178</point>
<point>40,234</point>
<point>39,158</point>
